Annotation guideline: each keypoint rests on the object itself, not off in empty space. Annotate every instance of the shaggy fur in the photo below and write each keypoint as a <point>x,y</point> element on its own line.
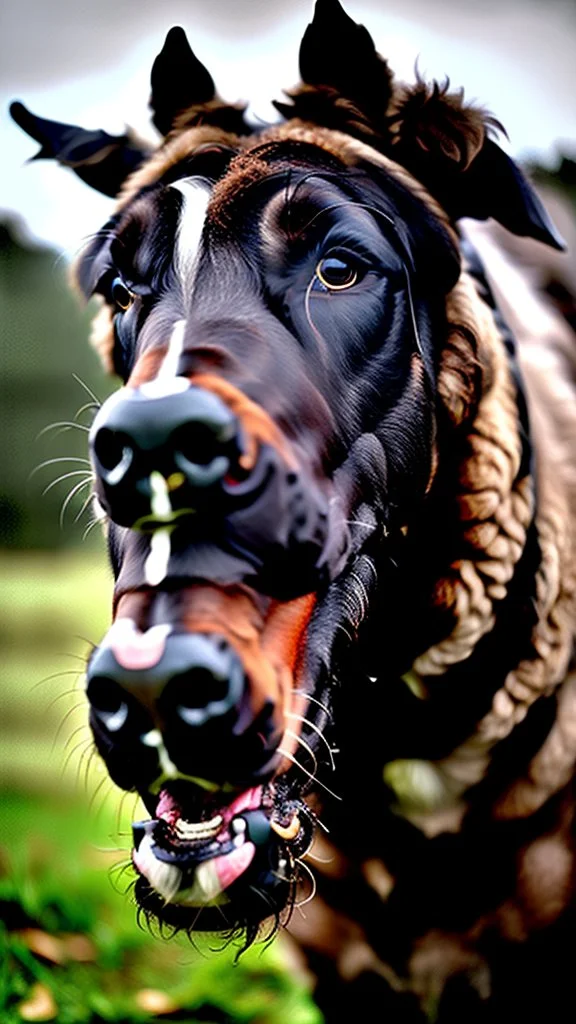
<point>413,675</point>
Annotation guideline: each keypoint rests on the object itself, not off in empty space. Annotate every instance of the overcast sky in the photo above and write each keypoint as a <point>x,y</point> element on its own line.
<point>89,63</point>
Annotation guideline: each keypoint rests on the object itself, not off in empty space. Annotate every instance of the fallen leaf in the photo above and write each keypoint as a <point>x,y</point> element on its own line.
<point>79,948</point>
<point>40,1004</point>
<point>154,1001</point>
<point>41,944</point>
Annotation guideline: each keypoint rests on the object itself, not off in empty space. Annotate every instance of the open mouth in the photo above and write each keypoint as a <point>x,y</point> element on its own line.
<point>215,866</point>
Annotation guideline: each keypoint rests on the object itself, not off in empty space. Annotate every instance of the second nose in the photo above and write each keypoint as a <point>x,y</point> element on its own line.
<point>185,433</point>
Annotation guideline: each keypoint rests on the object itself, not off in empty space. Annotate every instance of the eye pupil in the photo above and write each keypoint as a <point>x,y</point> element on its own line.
<point>334,272</point>
<point>121,295</point>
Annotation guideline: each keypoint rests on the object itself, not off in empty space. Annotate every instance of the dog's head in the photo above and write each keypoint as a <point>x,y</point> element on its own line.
<point>276,304</point>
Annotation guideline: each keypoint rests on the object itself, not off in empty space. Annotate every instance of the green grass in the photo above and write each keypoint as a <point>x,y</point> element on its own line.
<point>71,950</point>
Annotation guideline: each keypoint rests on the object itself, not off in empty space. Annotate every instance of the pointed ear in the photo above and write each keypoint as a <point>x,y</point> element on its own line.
<point>340,70</point>
<point>445,144</point>
<point>178,81</point>
<point>183,92</point>
<point>103,161</point>
<point>494,186</point>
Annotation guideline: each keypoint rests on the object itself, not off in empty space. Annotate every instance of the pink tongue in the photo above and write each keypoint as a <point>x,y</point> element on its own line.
<point>232,865</point>
<point>135,650</point>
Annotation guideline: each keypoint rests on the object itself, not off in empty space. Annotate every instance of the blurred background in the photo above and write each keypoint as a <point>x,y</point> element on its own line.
<point>73,952</point>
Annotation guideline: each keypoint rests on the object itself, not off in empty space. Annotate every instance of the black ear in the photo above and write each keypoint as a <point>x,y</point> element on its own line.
<point>494,186</point>
<point>337,54</point>
<point>103,161</point>
<point>179,81</point>
<point>445,143</point>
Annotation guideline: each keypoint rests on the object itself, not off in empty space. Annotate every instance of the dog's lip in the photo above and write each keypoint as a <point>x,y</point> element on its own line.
<point>194,862</point>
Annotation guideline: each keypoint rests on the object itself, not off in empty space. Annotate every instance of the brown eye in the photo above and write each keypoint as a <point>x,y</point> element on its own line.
<point>122,297</point>
<point>336,273</point>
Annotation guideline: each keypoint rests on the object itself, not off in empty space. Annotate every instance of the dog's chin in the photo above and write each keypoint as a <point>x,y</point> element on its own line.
<point>220,862</point>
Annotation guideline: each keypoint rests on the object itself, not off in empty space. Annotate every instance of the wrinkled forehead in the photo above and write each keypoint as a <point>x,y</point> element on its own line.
<point>219,191</point>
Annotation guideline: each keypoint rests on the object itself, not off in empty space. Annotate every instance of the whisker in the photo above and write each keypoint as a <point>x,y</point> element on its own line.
<point>66,476</point>
<point>319,860</point>
<point>84,506</point>
<point>64,425</point>
<point>70,754</point>
<point>75,489</point>
<point>319,733</point>
<point>302,693</point>
<point>61,458</point>
<point>75,707</point>
<point>305,746</point>
<point>79,728</point>
<point>56,675</point>
<point>95,794</point>
<point>60,696</point>
<point>89,762</point>
<point>91,525</point>
<point>85,758</point>
<point>121,803</point>
<point>290,757</point>
<point>87,405</point>
<point>311,895</point>
<point>86,389</point>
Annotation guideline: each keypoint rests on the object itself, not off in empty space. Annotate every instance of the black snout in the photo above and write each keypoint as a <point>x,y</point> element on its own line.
<point>189,714</point>
<point>184,434</point>
<point>198,678</point>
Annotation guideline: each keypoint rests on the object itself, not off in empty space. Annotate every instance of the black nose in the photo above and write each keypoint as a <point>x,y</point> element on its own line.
<point>194,704</point>
<point>199,678</point>
<point>186,435</point>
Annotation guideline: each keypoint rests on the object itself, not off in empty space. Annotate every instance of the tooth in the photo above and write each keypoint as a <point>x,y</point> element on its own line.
<point>238,825</point>
<point>238,840</point>
<point>200,829</point>
<point>206,886</point>
<point>286,831</point>
<point>164,878</point>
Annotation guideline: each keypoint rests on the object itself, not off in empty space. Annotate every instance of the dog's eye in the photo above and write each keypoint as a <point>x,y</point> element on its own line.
<point>335,273</point>
<point>121,295</point>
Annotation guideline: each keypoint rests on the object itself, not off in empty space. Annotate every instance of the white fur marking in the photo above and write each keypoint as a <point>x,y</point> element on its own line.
<point>169,366</point>
<point>196,195</point>
<point>156,565</point>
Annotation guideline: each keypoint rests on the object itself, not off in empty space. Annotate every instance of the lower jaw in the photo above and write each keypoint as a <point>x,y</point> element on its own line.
<point>225,874</point>
<point>260,893</point>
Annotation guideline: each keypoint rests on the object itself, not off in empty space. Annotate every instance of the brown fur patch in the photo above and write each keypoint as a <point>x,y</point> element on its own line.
<point>102,336</point>
<point>426,116</point>
<point>178,146</point>
<point>259,427</point>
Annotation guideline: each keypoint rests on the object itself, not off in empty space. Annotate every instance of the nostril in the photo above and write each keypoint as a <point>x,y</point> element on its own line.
<point>210,686</point>
<point>107,702</point>
<point>198,443</point>
<point>114,453</point>
<point>195,690</point>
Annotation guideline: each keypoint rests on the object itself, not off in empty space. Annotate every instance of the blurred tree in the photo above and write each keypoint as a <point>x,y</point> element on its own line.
<point>43,342</point>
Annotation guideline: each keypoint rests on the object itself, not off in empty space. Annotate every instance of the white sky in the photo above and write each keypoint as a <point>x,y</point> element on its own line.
<point>89,63</point>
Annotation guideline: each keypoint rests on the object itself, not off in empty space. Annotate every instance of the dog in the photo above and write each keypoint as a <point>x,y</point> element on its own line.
<point>340,493</point>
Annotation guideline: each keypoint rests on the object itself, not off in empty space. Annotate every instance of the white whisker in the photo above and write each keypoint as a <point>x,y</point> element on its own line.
<point>290,757</point>
<point>319,733</point>
<point>66,502</point>
<point>66,476</point>
<point>302,693</point>
<point>86,388</point>
<point>311,894</point>
<point>91,525</point>
<point>305,746</point>
<point>84,506</point>
<point>64,425</point>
